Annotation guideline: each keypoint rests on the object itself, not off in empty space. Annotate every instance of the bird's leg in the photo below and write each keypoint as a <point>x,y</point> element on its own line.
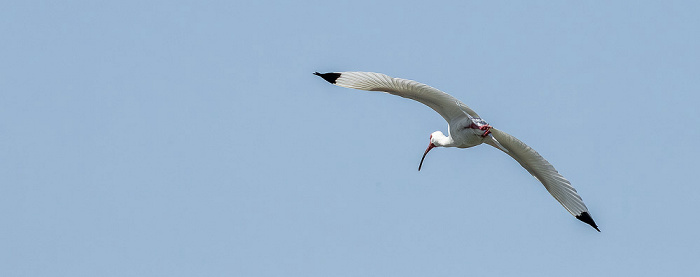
<point>486,128</point>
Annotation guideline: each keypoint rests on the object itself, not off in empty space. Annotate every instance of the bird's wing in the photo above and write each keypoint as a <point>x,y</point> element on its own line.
<point>543,171</point>
<point>447,106</point>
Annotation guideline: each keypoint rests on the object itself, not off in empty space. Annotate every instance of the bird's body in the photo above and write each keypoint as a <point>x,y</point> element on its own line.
<point>463,133</point>
<point>467,129</point>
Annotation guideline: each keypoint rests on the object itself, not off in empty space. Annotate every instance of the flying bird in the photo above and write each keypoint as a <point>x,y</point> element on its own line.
<point>467,129</point>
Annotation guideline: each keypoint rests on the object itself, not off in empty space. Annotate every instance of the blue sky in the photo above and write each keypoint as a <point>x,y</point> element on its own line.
<point>189,138</point>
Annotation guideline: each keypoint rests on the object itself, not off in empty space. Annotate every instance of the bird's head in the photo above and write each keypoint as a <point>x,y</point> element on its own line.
<point>436,139</point>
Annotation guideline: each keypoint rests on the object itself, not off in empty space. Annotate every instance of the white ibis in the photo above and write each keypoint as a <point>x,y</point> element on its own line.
<point>466,129</point>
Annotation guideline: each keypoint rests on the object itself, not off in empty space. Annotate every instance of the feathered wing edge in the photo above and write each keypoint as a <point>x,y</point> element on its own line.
<point>446,105</point>
<point>558,186</point>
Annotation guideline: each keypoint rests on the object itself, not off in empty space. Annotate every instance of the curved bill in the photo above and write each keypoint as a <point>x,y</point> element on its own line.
<point>431,146</point>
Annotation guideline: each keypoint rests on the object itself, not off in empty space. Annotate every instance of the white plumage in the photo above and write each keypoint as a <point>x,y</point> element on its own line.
<point>467,129</point>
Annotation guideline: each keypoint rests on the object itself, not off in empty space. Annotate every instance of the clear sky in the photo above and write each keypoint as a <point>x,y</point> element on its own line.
<point>189,138</point>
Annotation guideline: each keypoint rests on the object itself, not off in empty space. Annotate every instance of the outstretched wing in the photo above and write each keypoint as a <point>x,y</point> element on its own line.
<point>543,171</point>
<point>447,106</point>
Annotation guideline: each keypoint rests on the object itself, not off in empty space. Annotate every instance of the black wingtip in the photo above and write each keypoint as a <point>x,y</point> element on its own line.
<point>330,77</point>
<point>585,217</point>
